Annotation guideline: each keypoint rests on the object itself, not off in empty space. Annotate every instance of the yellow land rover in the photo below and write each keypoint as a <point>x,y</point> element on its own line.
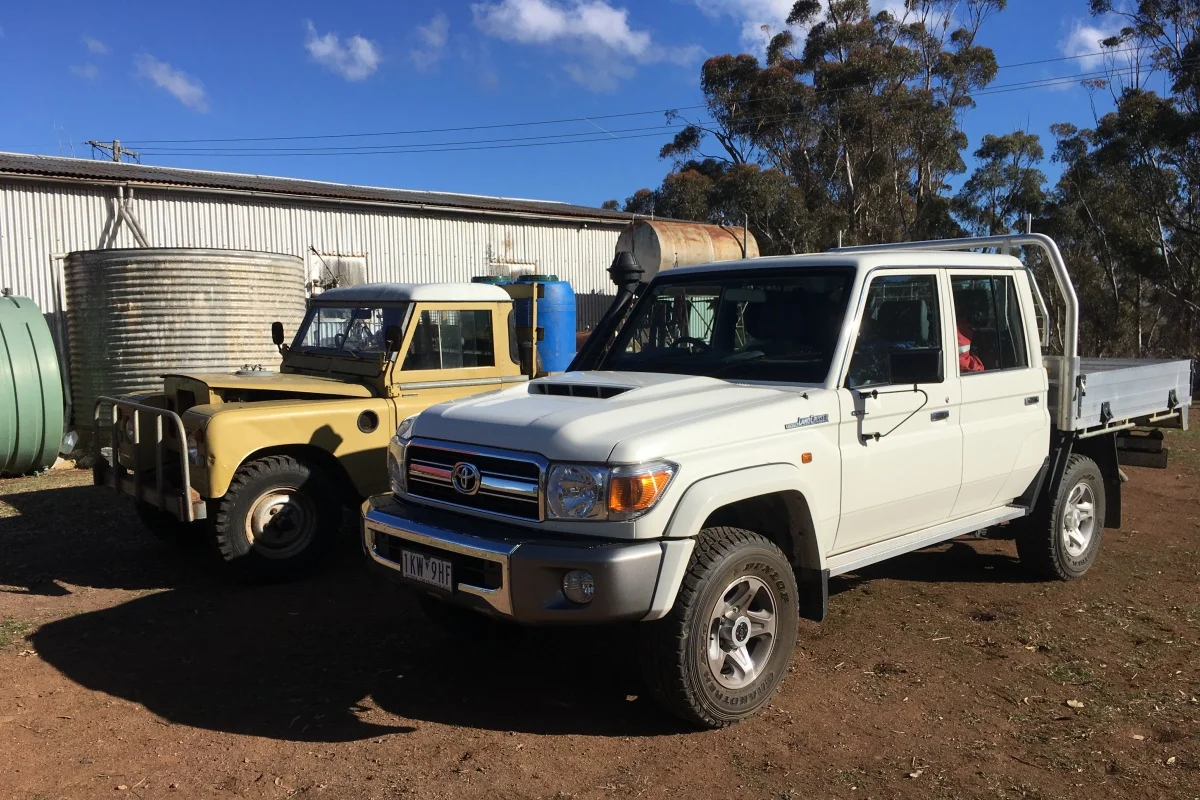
<point>265,464</point>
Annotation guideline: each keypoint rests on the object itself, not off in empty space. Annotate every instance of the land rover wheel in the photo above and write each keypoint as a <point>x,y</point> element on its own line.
<point>1061,540</point>
<point>168,528</point>
<point>277,520</point>
<point>724,648</point>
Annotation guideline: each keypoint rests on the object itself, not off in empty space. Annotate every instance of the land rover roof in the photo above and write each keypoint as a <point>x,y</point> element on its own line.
<point>413,293</point>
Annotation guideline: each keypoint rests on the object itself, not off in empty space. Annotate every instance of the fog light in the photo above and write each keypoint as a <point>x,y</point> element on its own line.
<point>578,586</point>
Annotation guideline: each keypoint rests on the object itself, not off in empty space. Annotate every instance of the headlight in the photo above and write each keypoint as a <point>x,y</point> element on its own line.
<point>580,491</point>
<point>576,491</point>
<point>395,464</point>
<point>404,431</point>
<point>195,448</point>
<point>130,432</point>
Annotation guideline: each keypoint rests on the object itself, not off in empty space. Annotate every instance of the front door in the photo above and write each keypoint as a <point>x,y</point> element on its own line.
<point>900,440</point>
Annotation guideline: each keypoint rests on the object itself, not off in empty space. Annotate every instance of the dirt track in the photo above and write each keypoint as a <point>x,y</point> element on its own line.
<point>127,668</point>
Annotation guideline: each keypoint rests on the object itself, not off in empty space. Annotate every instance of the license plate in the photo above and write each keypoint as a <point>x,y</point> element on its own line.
<point>427,569</point>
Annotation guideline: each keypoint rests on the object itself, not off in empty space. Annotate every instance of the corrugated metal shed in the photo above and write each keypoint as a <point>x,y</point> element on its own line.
<point>52,206</point>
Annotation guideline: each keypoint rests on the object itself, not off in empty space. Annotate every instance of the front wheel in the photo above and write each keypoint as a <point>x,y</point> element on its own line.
<point>1061,540</point>
<point>278,519</point>
<point>724,648</point>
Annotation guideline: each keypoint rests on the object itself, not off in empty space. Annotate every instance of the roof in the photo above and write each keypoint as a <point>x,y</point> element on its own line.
<point>152,176</point>
<point>863,260</point>
<point>414,293</point>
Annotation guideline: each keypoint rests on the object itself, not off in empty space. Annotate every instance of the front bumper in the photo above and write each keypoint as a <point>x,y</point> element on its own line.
<point>159,474</point>
<point>510,572</point>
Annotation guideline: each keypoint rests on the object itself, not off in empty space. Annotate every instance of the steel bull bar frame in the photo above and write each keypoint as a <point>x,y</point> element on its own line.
<point>182,501</point>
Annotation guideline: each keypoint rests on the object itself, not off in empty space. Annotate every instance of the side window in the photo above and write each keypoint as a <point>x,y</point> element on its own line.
<point>990,330</point>
<point>901,315</point>
<point>451,340</point>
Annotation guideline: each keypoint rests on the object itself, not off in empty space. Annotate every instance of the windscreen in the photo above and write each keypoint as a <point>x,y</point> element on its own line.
<point>359,331</point>
<point>776,325</point>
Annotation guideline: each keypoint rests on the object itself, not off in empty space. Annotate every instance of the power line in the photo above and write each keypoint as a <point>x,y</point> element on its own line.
<point>588,136</point>
<point>563,121</point>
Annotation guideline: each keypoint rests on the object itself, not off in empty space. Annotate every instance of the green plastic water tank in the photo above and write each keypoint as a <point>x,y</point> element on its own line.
<point>31,391</point>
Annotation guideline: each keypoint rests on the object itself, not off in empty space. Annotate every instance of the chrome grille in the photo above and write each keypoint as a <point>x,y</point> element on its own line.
<point>508,484</point>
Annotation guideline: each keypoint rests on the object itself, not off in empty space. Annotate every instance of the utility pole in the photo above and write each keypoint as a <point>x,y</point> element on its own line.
<point>114,149</point>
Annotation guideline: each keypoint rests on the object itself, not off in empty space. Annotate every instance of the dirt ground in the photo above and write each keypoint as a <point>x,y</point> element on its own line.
<point>130,668</point>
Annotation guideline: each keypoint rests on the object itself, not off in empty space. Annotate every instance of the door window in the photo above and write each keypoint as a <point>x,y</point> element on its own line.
<point>451,340</point>
<point>901,316</point>
<point>990,330</point>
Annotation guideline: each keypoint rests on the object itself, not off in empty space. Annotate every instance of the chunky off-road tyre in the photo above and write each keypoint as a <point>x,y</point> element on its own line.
<point>724,648</point>
<point>1061,539</point>
<point>277,521</point>
<point>166,528</point>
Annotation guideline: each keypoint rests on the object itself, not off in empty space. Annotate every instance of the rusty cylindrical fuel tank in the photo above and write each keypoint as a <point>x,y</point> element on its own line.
<point>135,315</point>
<point>661,244</point>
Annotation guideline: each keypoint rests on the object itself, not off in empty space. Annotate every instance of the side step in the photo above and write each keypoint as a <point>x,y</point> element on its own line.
<point>881,551</point>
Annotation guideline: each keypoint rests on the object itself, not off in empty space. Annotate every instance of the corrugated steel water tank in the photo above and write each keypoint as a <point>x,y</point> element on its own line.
<point>135,315</point>
<point>31,392</point>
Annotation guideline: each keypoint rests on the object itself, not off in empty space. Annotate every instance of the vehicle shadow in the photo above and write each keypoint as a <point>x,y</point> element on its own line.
<point>86,536</point>
<point>319,660</point>
<point>958,561</point>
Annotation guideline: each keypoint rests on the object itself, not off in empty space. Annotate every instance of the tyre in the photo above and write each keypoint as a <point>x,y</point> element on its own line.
<point>1061,540</point>
<point>167,528</point>
<point>724,648</point>
<point>278,519</point>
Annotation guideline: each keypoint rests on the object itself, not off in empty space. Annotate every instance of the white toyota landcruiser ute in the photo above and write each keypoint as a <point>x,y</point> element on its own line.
<point>733,434</point>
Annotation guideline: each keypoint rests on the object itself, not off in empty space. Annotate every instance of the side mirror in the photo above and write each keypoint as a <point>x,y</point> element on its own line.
<point>277,333</point>
<point>915,366</point>
<point>393,337</point>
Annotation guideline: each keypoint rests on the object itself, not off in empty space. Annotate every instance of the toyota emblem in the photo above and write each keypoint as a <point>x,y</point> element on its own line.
<point>465,478</point>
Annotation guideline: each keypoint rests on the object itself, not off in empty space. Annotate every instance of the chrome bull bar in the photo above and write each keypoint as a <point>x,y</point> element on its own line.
<point>181,501</point>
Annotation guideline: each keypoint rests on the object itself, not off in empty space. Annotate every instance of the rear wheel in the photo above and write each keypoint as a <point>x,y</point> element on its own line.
<point>167,528</point>
<point>724,648</point>
<point>1061,540</point>
<point>278,519</point>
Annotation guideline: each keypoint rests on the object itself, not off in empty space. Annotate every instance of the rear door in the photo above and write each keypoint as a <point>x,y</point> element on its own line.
<point>1005,422</point>
<point>900,443</point>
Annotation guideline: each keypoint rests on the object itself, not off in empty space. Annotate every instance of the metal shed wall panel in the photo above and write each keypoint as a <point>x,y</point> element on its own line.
<point>41,219</point>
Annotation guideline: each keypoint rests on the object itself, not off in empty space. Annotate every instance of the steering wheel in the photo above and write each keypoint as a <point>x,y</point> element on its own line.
<point>692,342</point>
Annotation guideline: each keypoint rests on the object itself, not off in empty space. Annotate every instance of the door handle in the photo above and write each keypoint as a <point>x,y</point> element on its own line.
<point>1032,401</point>
<point>940,415</point>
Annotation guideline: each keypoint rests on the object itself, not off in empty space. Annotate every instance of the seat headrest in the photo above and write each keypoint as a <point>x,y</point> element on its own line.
<point>903,321</point>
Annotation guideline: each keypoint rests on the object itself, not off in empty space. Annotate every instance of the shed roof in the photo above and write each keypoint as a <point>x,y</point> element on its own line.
<point>52,167</point>
<point>414,293</point>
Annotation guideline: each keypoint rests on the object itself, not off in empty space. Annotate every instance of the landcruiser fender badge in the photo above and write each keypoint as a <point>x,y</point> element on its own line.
<point>803,422</point>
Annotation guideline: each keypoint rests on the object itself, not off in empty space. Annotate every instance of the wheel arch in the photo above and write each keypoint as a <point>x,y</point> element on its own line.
<point>1103,450</point>
<point>771,501</point>
<point>313,456</point>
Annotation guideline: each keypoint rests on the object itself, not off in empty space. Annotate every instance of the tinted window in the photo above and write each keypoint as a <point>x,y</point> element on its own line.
<point>770,326</point>
<point>450,340</point>
<point>901,314</point>
<point>991,332</point>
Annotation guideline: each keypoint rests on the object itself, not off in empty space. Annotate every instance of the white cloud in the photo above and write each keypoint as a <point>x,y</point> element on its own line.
<point>604,45</point>
<point>752,15</point>
<point>89,72</point>
<point>354,60</point>
<point>1083,42</point>
<point>185,89</point>
<point>95,46</point>
<point>434,37</point>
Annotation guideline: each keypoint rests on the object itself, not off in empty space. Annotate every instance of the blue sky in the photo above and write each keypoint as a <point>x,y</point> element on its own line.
<point>143,71</point>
